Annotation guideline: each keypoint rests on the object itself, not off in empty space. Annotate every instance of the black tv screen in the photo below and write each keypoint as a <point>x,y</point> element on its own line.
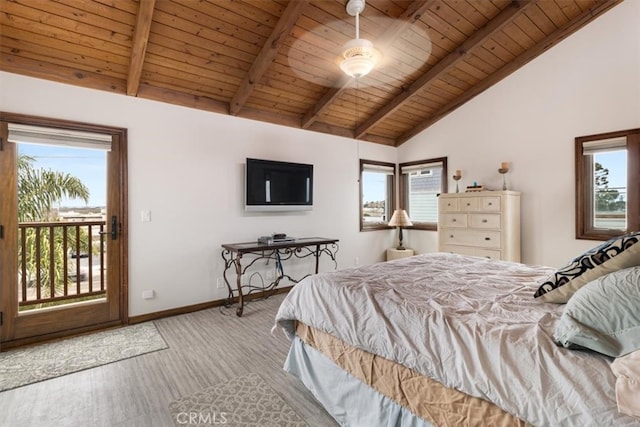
<point>274,185</point>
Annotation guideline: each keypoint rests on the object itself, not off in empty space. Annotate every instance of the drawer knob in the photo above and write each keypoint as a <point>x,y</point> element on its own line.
<point>451,236</point>
<point>490,204</point>
<point>453,220</point>
<point>487,238</point>
<point>468,204</point>
<point>484,220</point>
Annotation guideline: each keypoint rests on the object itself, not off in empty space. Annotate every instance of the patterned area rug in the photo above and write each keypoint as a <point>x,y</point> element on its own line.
<point>28,365</point>
<point>245,401</point>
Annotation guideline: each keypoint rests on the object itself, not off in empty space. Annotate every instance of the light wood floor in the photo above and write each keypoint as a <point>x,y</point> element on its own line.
<point>205,348</point>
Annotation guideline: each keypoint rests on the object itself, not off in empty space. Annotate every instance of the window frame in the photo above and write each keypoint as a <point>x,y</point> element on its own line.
<point>390,197</point>
<point>584,187</point>
<point>404,194</point>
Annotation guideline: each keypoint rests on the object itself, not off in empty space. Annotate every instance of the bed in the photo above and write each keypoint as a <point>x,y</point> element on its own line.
<point>442,339</point>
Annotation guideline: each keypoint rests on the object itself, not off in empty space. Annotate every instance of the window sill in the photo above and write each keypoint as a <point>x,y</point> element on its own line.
<point>427,227</point>
<point>602,235</point>
<point>375,227</point>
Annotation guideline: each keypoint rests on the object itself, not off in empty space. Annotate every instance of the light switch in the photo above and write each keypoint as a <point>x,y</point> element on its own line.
<point>146,216</point>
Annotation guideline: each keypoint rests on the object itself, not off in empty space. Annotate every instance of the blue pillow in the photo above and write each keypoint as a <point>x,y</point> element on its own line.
<point>604,315</point>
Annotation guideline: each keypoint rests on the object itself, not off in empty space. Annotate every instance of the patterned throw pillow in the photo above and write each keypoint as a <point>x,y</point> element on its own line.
<point>613,255</point>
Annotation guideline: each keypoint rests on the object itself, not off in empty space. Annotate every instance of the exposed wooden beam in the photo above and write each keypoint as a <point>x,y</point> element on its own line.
<point>348,133</point>
<point>270,117</point>
<point>139,46</point>
<point>208,104</point>
<point>378,139</point>
<point>506,16</point>
<point>331,129</point>
<point>327,99</point>
<point>184,99</point>
<point>400,24</point>
<point>539,48</point>
<point>267,54</point>
<point>61,74</point>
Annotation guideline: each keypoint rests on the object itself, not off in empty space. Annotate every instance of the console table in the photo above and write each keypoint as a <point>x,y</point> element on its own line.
<point>233,254</point>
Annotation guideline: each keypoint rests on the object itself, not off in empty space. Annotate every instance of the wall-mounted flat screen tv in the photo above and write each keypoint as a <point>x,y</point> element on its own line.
<point>278,186</point>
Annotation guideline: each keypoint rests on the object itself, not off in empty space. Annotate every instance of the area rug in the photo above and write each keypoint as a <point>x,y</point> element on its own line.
<point>41,362</point>
<point>245,401</point>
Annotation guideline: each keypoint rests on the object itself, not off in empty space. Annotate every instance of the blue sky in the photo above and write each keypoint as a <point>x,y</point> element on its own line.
<point>86,164</point>
<point>375,186</point>
<point>616,162</point>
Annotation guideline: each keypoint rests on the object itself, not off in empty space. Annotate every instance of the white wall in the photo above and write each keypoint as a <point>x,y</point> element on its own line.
<point>186,167</point>
<point>587,84</point>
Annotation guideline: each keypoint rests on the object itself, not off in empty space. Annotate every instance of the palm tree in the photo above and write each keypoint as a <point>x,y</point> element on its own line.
<point>39,192</point>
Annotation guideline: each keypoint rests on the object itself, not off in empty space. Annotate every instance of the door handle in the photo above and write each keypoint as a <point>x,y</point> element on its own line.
<point>114,228</point>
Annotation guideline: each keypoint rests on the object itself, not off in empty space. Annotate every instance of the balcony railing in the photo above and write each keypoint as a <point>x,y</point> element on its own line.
<point>60,262</point>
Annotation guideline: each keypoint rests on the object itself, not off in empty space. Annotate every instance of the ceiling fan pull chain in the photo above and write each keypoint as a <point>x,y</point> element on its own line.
<point>357,94</point>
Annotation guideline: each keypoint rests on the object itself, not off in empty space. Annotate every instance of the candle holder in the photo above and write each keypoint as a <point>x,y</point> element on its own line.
<point>503,171</point>
<point>457,178</point>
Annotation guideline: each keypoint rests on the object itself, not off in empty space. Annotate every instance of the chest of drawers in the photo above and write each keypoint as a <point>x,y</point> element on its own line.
<point>484,223</point>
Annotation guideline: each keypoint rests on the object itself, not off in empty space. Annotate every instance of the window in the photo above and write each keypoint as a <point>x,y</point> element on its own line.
<point>606,205</point>
<point>420,184</point>
<point>377,195</point>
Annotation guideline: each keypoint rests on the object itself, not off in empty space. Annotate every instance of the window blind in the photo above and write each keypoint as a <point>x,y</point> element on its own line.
<point>368,167</point>
<point>604,145</point>
<point>26,134</point>
<point>420,167</point>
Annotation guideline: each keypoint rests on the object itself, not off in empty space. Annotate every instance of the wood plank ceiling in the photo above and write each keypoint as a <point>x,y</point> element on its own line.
<point>276,61</point>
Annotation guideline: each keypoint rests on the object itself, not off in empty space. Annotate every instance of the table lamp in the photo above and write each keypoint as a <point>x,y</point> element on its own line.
<point>400,219</point>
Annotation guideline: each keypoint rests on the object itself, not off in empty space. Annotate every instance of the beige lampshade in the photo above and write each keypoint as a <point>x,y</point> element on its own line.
<point>400,218</point>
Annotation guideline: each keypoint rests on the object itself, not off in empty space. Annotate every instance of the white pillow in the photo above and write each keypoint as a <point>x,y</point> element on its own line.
<point>604,315</point>
<point>627,371</point>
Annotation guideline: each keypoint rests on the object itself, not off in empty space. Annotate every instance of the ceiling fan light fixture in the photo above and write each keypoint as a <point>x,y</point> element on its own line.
<point>359,54</point>
<point>359,57</point>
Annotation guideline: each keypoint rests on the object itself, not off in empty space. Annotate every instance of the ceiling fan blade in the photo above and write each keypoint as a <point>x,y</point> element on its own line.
<point>316,53</point>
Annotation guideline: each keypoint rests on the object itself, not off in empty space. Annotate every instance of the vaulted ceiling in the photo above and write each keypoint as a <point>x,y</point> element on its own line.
<point>277,61</point>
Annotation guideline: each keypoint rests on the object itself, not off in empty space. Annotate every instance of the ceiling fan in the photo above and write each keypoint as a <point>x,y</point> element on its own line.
<point>359,57</point>
<point>359,54</point>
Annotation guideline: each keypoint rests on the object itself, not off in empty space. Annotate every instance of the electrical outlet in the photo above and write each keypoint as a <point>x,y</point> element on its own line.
<point>219,283</point>
<point>356,261</point>
<point>148,294</point>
